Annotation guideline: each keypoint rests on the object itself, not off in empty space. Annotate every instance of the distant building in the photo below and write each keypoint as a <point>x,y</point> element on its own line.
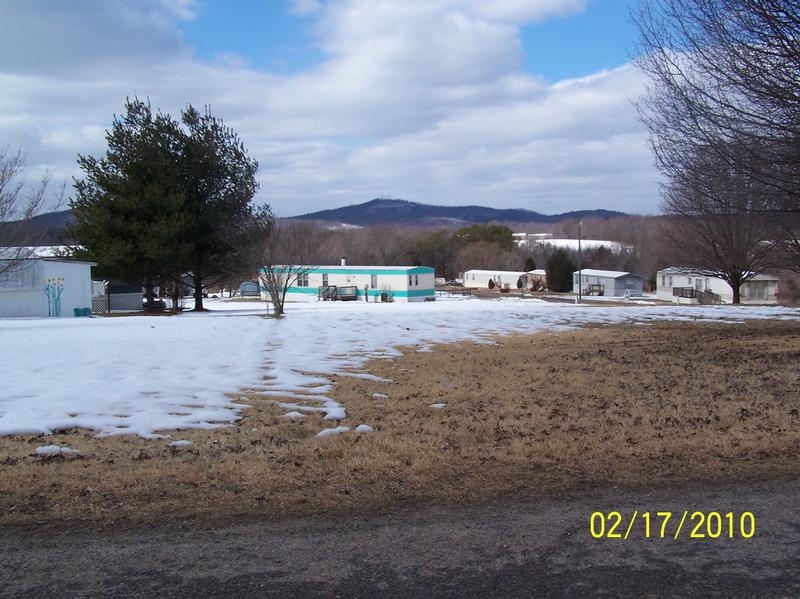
<point>536,279</point>
<point>524,238</point>
<point>480,278</point>
<point>610,283</point>
<point>46,287</point>
<point>249,289</point>
<point>377,283</point>
<point>687,286</point>
<point>534,239</point>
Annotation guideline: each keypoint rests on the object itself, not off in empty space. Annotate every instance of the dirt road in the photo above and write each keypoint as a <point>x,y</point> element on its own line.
<point>509,549</point>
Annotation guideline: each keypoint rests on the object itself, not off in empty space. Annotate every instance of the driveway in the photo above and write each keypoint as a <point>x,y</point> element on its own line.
<point>511,548</point>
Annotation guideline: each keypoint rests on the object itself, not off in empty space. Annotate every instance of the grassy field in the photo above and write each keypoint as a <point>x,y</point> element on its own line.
<point>636,406</point>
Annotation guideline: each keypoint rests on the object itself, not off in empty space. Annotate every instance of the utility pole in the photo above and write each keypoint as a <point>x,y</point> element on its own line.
<point>580,266</point>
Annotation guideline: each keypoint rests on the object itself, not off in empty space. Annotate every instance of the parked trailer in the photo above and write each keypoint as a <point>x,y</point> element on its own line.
<point>345,293</point>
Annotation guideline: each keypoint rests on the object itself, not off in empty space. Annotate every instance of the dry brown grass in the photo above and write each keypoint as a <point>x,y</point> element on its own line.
<point>626,405</point>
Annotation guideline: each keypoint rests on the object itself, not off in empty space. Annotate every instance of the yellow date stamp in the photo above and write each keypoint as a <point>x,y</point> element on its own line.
<point>672,525</point>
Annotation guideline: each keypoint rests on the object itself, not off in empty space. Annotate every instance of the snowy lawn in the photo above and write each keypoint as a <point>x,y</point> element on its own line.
<point>140,375</point>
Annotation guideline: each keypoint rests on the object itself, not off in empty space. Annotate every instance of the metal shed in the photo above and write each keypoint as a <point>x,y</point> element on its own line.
<point>607,283</point>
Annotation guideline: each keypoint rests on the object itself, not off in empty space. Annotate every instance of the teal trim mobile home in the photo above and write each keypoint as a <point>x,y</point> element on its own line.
<point>363,283</point>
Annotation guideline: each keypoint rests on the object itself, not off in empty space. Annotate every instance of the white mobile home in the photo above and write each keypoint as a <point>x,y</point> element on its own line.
<point>687,286</point>
<point>42,287</point>
<point>609,283</point>
<point>363,283</point>
<point>480,278</point>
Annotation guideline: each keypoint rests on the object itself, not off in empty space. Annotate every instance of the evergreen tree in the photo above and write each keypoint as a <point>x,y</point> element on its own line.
<point>128,207</point>
<point>219,182</point>
<point>559,271</point>
<point>499,234</point>
<point>168,199</point>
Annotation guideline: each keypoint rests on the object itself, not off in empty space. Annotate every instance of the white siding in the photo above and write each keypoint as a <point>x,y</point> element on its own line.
<point>41,288</point>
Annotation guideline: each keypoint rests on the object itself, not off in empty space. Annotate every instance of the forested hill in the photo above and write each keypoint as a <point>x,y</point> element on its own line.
<point>44,229</point>
<point>402,212</point>
<point>47,229</point>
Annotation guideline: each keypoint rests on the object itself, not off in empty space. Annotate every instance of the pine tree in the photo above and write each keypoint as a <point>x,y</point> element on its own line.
<point>559,271</point>
<point>168,199</point>
<point>128,207</point>
<point>219,182</point>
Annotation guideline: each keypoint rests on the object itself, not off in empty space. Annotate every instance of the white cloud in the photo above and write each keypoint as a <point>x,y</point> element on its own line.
<point>422,100</point>
<point>305,8</point>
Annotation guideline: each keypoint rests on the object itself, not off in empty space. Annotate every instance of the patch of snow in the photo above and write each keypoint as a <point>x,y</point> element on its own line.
<point>51,450</point>
<point>294,415</point>
<point>181,443</point>
<point>364,428</point>
<point>379,396</point>
<point>333,431</point>
<point>138,375</point>
<point>438,406</point>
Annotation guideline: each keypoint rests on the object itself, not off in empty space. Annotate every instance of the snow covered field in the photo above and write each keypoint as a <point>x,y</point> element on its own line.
<point>139,375</point>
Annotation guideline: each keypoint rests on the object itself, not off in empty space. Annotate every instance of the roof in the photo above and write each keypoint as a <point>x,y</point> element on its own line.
<point>43,259</point>
<point>609,274</point>
<point>33,251</point>
<point>695,272</point>
<point>515,273</point>
<point>356,270</point>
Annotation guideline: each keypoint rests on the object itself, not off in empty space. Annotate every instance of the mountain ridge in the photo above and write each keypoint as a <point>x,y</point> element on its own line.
<point>48,228</point>
<point>382,211</point>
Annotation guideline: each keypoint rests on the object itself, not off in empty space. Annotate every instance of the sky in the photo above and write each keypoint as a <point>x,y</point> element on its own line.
<point>508,103</point>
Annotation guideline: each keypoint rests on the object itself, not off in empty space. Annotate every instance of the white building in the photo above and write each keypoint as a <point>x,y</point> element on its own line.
<point>611,283</point>
<point>378,283</point>
<point>569,244</point>
<point>686,286</point>
<point>480,278</point>
<point>41,287</point>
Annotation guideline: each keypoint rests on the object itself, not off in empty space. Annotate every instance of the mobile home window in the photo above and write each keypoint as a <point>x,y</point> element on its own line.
<point>325,280</point>
<point>302,280</point>
<point>409,280</point>
<point>20,278</point>
<point>416,280</point>
<point>373,281</point>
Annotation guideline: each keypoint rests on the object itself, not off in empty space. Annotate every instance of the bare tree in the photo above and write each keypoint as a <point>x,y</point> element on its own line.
<point>486,255</point>
<point>725,78</point>
<point>18,204</point>
<point>285,258</point>
<point>719,228</point>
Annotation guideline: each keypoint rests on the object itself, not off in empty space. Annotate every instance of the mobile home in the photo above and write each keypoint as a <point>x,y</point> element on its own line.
<point>480,278</point>
<point>45,287</point>
<point>688,286</point>
<point>362,283</point>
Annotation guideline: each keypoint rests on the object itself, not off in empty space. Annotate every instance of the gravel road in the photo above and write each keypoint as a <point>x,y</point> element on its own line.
<point>512,548</point>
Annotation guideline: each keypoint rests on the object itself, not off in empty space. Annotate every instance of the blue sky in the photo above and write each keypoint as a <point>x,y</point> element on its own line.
<point>507,103</point>
<point>267,34</point>
<point>602,37</point>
